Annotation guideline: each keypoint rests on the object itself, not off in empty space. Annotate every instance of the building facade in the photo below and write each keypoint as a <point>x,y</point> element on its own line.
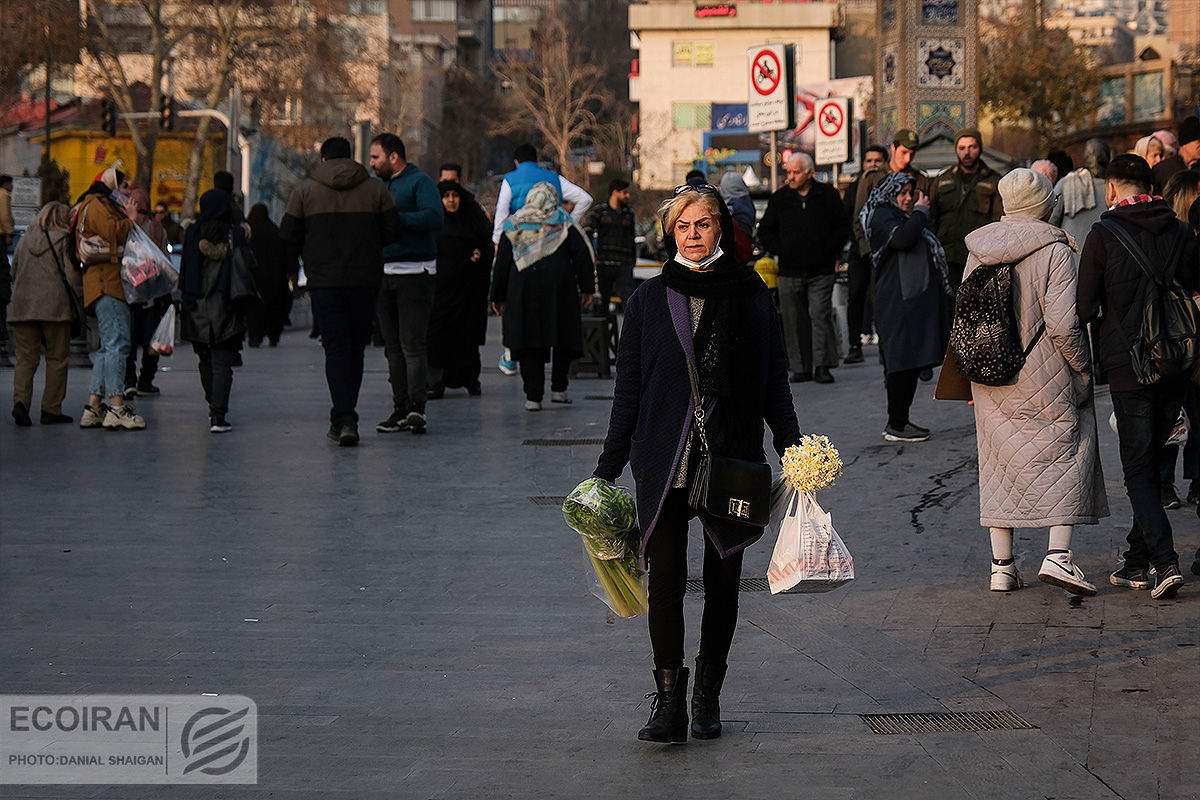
<point>690,81</point>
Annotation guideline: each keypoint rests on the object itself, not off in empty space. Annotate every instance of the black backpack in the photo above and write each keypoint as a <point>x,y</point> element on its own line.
<point>1168,343</point>
<point>984,336</point>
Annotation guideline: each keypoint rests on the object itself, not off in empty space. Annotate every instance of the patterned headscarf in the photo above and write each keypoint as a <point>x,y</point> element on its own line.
<point>884,195</point>
<point>540,226</point>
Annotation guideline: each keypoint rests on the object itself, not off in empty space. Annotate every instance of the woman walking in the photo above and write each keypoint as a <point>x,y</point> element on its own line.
<point>211,322</point>
<point>912,295</point>
<point>543,278</point>
<point>101,227</point>
<point>709,314</point>
<point>458,325</point>
<point>41,313</point>
<point>272,261</point>
<point>1039,459</point>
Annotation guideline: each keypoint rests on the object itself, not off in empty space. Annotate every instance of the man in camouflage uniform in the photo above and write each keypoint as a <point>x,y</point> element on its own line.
<point>963,197</point>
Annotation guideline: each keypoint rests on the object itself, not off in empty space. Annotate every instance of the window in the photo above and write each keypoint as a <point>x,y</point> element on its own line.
<point>360,7</point>
<point>434,11</point>
<point>691,116</point>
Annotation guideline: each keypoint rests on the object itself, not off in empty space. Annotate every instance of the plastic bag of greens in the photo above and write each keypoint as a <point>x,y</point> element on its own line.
<point>604,517</point>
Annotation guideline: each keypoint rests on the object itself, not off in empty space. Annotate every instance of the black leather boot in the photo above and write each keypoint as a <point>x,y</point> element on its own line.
<point>668,712</point>
<point>706,705</point>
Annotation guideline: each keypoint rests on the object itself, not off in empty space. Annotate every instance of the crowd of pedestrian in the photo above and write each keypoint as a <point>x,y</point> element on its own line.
<point>1086,258</point>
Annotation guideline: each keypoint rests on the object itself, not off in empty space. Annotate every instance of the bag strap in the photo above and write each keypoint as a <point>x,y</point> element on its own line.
<point>62,274</point>
<point>678,304</point>
<point>1139,256</point>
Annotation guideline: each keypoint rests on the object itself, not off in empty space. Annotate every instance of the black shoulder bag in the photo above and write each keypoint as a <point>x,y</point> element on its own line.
<point>730,489</point>
<point>77,309</point>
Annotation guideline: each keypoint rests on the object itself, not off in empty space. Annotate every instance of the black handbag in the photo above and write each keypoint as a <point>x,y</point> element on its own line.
<point>730,489</point>
<point>77,309</point>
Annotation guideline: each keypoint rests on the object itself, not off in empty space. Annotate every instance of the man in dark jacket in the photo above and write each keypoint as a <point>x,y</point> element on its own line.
<point>409,267</point>
<point>963,198</point>
<point>341,219</point>
<point>611,228</point>
<point>1113,285</point>
<point>805,228</point>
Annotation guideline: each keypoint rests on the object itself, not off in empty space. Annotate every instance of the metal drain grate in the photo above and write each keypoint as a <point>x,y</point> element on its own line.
<point>597,397</point>
<point>945,722</point>
<point>696,585</point>
<point>561,442</point>
<point>548,499</point>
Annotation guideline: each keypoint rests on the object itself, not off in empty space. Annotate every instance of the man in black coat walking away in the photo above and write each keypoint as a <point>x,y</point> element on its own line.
<point>1112,282</point>
<point>341,219</point>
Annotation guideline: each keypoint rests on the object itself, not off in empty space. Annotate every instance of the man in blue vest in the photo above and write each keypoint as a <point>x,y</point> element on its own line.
<point>513,189</point>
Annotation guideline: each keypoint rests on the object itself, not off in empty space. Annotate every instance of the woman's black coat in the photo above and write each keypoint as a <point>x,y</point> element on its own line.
<point>651,413</point>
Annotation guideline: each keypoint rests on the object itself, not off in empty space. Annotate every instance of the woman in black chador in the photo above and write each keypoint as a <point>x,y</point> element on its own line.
<point>458,325</point>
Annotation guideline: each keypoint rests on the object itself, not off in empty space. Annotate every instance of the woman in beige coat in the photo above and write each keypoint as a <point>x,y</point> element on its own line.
<point>1039,462</point>
<point>42,311</point>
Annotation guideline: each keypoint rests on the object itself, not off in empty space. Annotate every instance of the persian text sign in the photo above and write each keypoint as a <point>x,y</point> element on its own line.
<point>772,100</point>
<point>126,739</point>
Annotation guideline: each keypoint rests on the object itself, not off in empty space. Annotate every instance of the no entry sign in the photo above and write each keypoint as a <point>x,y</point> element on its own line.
<point>833,134</point>
<point>772,95</point>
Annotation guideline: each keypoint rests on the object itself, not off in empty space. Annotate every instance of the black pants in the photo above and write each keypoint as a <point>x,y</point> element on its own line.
<point>615,280</point>
<point>216,374</point>
<point>143,322</point>
<point>533,371</point>
<point>666,555</point>
<point>345,317</point>
<point>858,298</point>
<point>1145,417</point>
<point>901,389</point>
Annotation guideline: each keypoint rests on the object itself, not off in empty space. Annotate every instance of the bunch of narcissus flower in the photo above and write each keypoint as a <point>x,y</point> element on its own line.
<point>811,465</point>
<point>604,516</point>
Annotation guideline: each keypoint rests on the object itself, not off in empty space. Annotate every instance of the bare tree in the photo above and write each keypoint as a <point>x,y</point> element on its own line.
<point>99,17</point>
<point>557,91</point>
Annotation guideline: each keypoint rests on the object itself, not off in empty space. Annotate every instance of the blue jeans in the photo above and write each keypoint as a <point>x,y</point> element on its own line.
<point>345,317</point>
<point>1145,417</point>
<point>405,305</point>
<point>108,369</point>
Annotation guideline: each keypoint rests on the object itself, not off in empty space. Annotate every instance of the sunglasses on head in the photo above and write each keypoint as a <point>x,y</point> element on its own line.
<point>703,188</point>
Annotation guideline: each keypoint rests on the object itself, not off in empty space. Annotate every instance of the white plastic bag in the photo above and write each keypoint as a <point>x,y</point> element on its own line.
<point>1179,432</point>
<point>809,555</point>
<point>162,343</point>
<point>146,271</point>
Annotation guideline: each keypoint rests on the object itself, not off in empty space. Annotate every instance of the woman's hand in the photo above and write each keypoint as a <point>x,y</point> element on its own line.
<point>498,307</point>
<point>922,201</point>
<point>586,300</point>
<point>476,255</point>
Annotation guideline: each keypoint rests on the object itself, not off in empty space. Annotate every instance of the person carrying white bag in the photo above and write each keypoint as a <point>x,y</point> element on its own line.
<point>809,555</point>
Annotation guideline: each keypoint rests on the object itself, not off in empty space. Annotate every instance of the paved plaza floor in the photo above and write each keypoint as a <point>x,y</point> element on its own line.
<point>412,620</point>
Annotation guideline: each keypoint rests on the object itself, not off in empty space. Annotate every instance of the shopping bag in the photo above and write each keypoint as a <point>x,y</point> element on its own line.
<point>146,271</point>
<point>809,555</point>
<point>605,518</point>
<point>162,343</point>
<point>1179,431</point>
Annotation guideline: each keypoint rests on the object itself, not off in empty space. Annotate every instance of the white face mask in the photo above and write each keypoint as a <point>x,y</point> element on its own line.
<point>700,265</point>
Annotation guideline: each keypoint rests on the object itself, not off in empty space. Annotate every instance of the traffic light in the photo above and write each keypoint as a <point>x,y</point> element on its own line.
<point>108,116</point>
<point>166,113</point>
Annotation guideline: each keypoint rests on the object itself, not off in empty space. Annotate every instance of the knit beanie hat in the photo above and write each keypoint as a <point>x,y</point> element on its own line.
<point>1189,130</point>
<point>1026,193</point>
<point>974,134</point>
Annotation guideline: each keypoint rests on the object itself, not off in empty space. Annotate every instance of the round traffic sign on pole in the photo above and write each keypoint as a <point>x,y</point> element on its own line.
<point>766,72</point>
<point>830,119</point>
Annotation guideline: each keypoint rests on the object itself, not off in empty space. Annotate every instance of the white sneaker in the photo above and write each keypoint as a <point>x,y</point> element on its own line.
<point>123,418</point>
<point>560,397</point>
<point>1006,578</point>
<point>92,417</point>
<point>1059,570</point>
<point>533,405</point>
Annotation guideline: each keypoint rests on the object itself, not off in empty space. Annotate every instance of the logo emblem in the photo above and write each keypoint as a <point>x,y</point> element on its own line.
<point>213,742</point>
<point>739,508</point>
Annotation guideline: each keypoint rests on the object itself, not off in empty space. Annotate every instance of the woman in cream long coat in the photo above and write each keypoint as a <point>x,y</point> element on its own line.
<point>1039,462</point>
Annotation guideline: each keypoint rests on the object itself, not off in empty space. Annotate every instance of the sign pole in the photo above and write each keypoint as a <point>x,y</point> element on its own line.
<point>775,158</point>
